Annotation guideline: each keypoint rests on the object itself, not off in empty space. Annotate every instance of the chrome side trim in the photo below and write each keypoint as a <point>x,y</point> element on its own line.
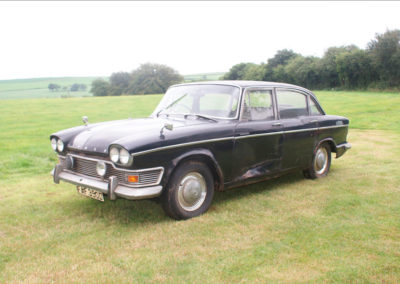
<point>231,138</point>
<point>181,145</point>
<point>258,135</point>
<point>333,126</point>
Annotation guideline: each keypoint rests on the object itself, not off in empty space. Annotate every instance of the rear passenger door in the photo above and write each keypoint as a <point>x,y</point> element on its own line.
<point>299,128</point>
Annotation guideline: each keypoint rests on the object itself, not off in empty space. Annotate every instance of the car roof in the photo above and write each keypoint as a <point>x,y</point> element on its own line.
<point>246,84</point>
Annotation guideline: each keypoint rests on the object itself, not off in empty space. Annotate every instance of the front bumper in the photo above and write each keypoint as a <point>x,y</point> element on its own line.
<point>341,149</point>
<point>109,186</point>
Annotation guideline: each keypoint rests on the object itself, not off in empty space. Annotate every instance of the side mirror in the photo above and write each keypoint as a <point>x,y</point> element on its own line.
<point>85,120</point>
<point>168,126</point>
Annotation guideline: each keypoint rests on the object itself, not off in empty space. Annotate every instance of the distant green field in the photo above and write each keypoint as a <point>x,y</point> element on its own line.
<point>344,228</point>
<point>38,87</point>
<point>203,77</point>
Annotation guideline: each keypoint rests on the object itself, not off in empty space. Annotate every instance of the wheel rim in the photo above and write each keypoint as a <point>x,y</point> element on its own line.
<point>192,191</point>
<point>321,160</point>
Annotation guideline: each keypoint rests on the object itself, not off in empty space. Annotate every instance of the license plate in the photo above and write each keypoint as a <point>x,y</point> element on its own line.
<point>88,192</point>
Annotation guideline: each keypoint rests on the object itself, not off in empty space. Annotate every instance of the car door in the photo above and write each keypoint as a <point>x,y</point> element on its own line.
<point>299,128</point>
<point>258,136</point>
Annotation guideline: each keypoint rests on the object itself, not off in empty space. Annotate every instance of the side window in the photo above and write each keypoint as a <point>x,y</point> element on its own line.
<point>315,110</point>
<point>291,104</point>
<point>258,105</point>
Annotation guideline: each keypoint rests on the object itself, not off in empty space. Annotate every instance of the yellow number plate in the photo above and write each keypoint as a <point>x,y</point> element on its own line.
<point>88,192</point>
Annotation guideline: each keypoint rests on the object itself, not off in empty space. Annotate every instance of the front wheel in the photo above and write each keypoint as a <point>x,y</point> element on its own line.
<point>321,162</point>
<point>189,192</point>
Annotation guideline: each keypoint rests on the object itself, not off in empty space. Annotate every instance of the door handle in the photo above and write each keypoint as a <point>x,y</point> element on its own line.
<point>312,121</point>
<point>277,124</point>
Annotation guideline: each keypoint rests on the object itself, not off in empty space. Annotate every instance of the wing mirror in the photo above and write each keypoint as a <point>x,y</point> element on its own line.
<point>168,126</point>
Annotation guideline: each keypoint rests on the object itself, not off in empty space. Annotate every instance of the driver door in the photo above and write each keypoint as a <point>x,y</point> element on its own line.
<point>258,136</point>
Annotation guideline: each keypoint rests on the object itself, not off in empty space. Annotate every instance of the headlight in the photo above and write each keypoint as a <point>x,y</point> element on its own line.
<point>54,143</point>
<point>124,157</point>
<point>101,168</point>
<point>60,145</point>
<point>114,155</point>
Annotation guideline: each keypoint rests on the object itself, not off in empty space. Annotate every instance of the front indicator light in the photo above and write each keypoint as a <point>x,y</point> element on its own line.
<point>101,168</point>
<point>133,179</point>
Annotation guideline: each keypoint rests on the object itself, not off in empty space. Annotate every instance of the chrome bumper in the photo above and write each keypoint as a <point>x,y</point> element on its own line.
<point>341,149</point>
<point>110,187</point>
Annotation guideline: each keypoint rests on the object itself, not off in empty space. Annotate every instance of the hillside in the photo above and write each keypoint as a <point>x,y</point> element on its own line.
<point>38,87</point>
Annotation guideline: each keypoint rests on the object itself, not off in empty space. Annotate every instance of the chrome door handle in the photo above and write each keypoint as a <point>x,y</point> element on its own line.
<point>312,121</point>
<point>277,124</point>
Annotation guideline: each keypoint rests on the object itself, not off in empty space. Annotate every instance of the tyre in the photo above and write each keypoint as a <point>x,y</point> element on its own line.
<point>321,162</point>
<point>189,192</point>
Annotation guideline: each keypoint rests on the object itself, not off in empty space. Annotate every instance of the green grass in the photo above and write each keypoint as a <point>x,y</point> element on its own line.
<point>343,228</point>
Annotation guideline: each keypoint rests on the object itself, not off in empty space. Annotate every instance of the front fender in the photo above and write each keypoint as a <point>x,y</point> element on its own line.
<point>203,155</point>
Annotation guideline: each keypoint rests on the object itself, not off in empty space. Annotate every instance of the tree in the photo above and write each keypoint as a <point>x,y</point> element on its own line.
<point>385,52</point>
<point>281,57</point>
<point>153,78</point>
<point>238,71</point>
<point>53,87</point>
<point>119,83</point>
<point>303,71</point>
<point>355,69</point>
<point>74,87</point>
<point>100,87</point>
<point>327,66</point>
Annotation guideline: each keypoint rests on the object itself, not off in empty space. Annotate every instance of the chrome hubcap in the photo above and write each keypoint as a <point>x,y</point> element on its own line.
<point>321,160</point>
<point>192,191</point>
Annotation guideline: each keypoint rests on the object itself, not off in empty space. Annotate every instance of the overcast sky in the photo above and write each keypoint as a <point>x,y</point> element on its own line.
<point>52,39</point>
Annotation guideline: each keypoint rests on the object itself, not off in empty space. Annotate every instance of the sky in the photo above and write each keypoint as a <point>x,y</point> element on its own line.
<point>59,39</point>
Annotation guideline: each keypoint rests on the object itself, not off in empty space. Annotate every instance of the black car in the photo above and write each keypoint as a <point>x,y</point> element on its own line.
<point>202,137</point>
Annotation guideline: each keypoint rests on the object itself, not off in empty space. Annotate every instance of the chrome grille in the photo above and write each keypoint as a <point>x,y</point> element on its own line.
<point>86,166</point>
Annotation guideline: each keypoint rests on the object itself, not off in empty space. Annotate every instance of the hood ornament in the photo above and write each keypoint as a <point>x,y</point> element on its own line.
<point>85,120</point>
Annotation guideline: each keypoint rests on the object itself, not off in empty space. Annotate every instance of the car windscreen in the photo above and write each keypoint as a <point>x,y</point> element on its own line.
<point>218,101</point>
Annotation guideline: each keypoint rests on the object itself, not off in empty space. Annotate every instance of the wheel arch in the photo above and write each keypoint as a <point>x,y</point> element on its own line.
<point>202,155</point>
<point>328,141</point>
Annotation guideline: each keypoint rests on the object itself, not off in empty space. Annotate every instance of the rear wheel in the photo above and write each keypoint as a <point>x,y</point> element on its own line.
<point>321,162</point>
<point>189,192</point>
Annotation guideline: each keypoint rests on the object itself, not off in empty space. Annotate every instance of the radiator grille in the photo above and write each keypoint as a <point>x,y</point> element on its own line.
<point>88,168</point>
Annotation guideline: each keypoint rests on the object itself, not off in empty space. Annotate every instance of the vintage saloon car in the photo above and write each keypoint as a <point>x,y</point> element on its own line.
<point>202,137</point>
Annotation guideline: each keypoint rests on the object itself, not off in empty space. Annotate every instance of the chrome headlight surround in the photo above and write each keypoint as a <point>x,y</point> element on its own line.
<point>60,145</point>
<point>57,144</point>
<point>53,142</point>
<point>120,155</point>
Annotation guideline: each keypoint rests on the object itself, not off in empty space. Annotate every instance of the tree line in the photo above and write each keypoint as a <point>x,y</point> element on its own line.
<point>73,88</point>
<point>345,67</point>
<point>148,78</point>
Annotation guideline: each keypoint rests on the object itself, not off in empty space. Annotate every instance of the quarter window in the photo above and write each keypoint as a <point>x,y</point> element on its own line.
<point>258,105</point>
<point>291,104</point>
<point>315,110</point>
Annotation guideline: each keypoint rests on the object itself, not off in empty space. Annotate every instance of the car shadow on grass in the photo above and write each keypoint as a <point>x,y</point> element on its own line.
<point>144,212</point>
<point>261,187</point>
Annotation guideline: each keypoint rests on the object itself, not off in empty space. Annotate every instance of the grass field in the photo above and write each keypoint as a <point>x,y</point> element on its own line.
<point>343,228</point>
<point>38,87</point>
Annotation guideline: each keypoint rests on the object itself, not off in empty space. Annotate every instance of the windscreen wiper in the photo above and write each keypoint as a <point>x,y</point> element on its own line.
<point>200,116</point>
